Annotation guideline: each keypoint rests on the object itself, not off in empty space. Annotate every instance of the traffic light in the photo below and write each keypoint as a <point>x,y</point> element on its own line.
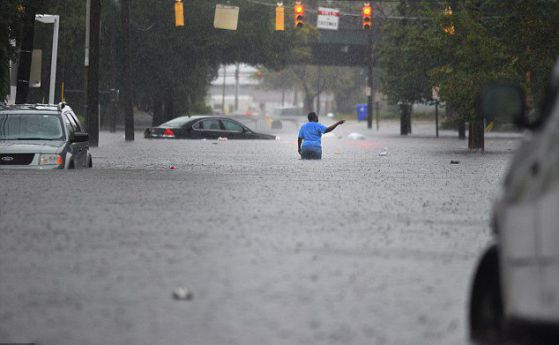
<point>448,27</point>
<point>367,14</point>
<point>179,13</point>
<point>280,17</point>
<point>299,10</point>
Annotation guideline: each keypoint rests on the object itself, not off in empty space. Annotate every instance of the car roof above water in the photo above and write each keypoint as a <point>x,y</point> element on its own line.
<point>29,108</point>
<point>181,120</point>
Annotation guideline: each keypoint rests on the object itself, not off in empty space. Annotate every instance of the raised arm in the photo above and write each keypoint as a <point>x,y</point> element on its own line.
<point>331,128</point>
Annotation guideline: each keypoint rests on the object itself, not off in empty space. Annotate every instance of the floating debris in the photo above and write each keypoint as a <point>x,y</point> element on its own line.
<point>356,136</point>
<point>182,294</point>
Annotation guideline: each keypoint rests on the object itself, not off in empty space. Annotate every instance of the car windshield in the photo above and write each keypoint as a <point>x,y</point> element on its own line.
<point>178,122</point>
<point>30,127</point>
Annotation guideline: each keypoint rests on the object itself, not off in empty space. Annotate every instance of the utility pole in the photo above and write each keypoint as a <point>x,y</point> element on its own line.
<point>370,89</point>
<point>114,108</point>
<point>437,118</point>
<point>237,87</point>
<point>92,94</point>
<point>223,90</point>
<point>126,78</point>
<point>318,90</point>
<point>86,53</point>
<point>25,43</point>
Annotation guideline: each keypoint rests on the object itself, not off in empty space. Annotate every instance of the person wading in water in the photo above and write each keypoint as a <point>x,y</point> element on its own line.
<point>310,134</point>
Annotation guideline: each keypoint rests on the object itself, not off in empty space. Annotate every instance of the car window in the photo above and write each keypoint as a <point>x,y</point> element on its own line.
<point>71,121</point>
<point>70,126</point>
<point>75,121</point>
<point>232,126</point>
<point>209,125</point>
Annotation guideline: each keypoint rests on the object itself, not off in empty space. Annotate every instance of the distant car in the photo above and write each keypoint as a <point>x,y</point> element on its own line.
<point>204,127</point>
<point>38,136</point>
<point>289,114</point>
<point>288,111</point>
<point>516,284</point>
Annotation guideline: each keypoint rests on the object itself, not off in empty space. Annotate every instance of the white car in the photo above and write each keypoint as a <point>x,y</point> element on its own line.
<point>516,284</point>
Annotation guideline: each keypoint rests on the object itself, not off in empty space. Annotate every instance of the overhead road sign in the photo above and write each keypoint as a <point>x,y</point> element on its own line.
<point>328,18</point>
<point>226,17</point>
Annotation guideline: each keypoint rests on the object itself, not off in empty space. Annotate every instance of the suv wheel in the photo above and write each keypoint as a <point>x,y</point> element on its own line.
<point>486,302</point>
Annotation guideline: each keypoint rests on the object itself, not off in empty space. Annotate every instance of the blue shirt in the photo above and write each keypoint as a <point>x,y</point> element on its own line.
<point>311,132</point>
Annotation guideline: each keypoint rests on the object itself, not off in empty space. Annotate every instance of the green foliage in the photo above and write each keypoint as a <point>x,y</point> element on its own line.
<point>169,64</point>
<point>492,40</point>
<point>403,56</point>
<point>9,26</point>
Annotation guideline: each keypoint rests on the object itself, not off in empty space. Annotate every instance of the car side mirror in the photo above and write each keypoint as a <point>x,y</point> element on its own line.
<point>504,103</point>
<point>80,137</point>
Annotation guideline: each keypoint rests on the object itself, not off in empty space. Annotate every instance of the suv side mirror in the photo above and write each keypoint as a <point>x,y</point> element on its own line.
<point>80,137</point>
<point>505,102</point>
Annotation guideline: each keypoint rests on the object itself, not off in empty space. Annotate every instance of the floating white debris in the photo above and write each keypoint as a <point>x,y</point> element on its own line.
<point>182,294</point>
<point>356,136</point>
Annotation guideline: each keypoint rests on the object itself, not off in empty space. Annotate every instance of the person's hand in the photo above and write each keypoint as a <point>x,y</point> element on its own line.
<point>341,122</point>
<point>299,150</point>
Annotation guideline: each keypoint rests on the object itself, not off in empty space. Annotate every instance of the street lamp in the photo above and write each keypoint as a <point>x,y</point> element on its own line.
<point>52,19</point>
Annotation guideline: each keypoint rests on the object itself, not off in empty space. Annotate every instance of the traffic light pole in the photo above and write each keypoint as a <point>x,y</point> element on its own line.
<point>370,85</point>
<point>92,89</point>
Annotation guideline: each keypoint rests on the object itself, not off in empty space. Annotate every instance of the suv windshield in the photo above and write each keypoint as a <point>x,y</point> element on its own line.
<point>30,127</point>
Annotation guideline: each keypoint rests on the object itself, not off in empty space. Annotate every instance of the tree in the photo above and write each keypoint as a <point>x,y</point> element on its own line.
<point>462,47</point>
<point>173,66</point>
<point>24,44</point>
<point>346,83</point>
<point>405,62</point>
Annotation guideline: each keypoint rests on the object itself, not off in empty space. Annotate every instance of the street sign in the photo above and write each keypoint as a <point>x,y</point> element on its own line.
<point>328,18</point>
<point>226,17</point>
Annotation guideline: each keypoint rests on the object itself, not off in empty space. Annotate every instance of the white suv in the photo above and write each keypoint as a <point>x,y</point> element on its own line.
<point>516,284</point>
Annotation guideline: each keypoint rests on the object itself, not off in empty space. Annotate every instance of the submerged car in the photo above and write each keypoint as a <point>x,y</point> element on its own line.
<point>39,136</point>
<point>515,291</point>
<point>203,127</point>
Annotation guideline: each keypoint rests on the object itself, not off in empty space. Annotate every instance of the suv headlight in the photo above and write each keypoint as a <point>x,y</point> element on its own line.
<point>50,159</point>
